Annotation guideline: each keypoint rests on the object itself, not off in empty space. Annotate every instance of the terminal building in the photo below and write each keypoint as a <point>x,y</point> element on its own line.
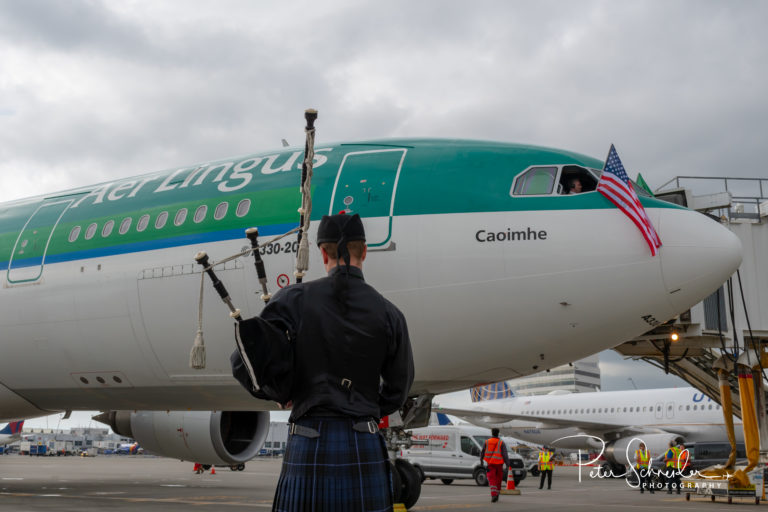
<point>578,377</point>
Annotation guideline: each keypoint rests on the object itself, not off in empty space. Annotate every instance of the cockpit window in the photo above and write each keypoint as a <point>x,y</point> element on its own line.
<point>535,181</point>
<point>576,180</point>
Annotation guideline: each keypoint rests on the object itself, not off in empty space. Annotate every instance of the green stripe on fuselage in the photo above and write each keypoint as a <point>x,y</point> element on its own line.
<point>437,177</point>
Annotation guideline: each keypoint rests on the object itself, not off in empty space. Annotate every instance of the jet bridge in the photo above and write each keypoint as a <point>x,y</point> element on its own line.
<point>719,345</point>
<point>705,333</point>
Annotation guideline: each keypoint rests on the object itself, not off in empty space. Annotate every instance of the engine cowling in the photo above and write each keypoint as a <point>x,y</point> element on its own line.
<point>221,437</point>
<point>656,444</point>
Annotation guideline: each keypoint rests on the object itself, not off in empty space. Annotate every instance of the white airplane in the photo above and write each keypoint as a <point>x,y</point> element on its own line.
<point>11,432</point>
<point>498,274</point>
<point>609,420</point>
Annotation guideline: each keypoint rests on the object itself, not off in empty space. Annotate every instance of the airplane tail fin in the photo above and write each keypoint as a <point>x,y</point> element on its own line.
<point>439,418</point>
<point>12,428</point>
<point>491,392</point>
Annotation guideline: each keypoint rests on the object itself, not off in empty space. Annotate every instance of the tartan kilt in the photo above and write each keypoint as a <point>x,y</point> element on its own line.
<point>342,470</point>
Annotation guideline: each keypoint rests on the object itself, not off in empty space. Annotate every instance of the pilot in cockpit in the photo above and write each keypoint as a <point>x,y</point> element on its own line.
<point>574,186</point>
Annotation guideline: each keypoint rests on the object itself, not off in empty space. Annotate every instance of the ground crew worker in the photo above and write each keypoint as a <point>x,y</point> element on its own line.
<point>684,460</point>
<point>495,456</point>
<point>352,366</point>
<point>546,465</point>
<point>642,465</point>
<point>672,472</point>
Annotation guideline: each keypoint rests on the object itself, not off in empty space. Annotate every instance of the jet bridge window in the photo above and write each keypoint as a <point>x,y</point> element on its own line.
<point>536,181</point>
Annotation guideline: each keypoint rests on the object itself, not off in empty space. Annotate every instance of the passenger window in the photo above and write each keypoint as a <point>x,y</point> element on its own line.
<point>243,207</point>
<point>161,220</point>
<point>535,182</point>
<point>220,211</point>
<point>181,216</point>
<point>125,225</point>
<point>107,229</point>
<point>74,233</point>
<point>143,223</point>
<point>90,231</point>
<point>200,214</point>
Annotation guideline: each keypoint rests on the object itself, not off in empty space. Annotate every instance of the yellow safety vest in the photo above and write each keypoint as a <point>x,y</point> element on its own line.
<point>493,451</point>
<point>545,461</point>
<point>672,463</point>
<point>641,457</point>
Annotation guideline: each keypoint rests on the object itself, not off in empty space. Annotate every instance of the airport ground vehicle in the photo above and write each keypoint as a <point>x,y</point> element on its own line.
<point>453,452</point>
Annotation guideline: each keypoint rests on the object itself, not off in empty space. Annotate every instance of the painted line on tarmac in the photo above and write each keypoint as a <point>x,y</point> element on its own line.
<point>201,500</point>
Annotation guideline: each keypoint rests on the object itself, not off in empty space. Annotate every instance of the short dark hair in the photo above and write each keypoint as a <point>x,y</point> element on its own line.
<point>495,432</point>
<point>355,248</point>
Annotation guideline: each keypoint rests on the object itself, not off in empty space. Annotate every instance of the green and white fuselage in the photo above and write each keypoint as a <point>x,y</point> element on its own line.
<point>498,275</point>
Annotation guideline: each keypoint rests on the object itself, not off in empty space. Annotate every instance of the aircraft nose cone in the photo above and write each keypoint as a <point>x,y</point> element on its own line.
<point>697,256</point>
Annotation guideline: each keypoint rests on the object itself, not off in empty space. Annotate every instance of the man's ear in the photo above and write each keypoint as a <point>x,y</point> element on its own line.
<point>325,255</point>
<point>365,253</point>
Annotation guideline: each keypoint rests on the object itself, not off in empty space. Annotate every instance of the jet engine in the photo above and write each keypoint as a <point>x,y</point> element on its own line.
<point>217,438</point>
<point>657,444</point>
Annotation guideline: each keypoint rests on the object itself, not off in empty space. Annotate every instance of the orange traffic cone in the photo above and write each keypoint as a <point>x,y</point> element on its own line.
<point>510,486</point>
<point>213,470</point>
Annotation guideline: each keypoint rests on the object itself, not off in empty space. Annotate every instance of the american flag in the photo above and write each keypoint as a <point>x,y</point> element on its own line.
<point>615,186</point>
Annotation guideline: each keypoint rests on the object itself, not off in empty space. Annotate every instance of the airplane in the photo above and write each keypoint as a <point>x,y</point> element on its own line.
<point>499,275</point>
<point>11,432</point>
<point>128,449</point>
<point>609,420</point>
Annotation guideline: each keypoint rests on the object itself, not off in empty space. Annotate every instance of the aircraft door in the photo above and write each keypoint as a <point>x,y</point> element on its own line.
<point>366,184</point>
<point>28,256</point>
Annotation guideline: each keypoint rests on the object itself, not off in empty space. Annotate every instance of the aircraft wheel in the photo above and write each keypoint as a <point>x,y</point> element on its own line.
<point>397,485</point>
<point>410,478</point>
<point>241,467</point>
<point>421,473</point>
<point>206,467</point>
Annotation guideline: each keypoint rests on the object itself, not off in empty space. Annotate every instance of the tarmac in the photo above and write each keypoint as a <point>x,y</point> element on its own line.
<point>157,484</point>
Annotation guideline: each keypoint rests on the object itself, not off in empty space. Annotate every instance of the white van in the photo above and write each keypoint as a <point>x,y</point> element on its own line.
<point>453,452</point>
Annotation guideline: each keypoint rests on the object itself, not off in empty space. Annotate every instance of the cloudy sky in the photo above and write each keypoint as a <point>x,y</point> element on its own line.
<point>94,90</point>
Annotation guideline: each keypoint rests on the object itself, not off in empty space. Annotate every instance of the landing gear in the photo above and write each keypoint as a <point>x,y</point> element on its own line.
<point>406,480</point>
<point>237,467</point>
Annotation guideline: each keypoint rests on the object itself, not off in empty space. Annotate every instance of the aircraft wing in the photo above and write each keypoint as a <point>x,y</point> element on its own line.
<point>490,419</point>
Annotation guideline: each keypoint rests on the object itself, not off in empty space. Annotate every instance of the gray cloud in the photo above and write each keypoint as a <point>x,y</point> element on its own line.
<point>91,90</point>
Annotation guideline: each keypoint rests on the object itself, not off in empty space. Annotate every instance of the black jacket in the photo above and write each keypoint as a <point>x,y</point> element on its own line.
<point>351,352</point>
